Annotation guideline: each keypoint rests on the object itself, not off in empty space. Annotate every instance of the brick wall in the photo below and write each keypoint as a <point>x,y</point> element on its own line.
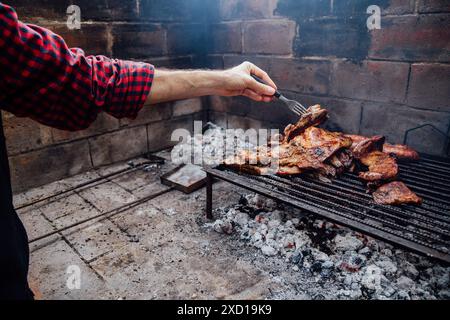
<point>318,51</point>
<point>164,33</point>
<point>382,81</point>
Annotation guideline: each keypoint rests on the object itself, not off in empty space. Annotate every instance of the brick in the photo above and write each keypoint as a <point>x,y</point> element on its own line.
<point>331,36</point>
<point>68,210</point>
<point>370,80</point>
<point>106,196</point>
<point>248,9</point>
<point>24,134</point>
<point>225,37</point>
<point>399,7</point>
<point>174,10</point>
<point>149,113</point>
<point>103,123</point>
<point>303,76</point>
<point>55,259</point>
<point>92,38</point>
<point>159,133</point>
<point>138,40</point>
<point>97,239</point>
<point>186,39</point>
<point>28,11</point>
<point>299,9</point>
<point>354,8</point>
<point>269,37</point>
<point>51,263</point>
<point>412,38</point>
<point>208,61</point>
<point>345,114</point>
<point>120,145</point>
<point>429,86</point>
<point>36,225</point>
<point>171,62</point>
<point>187,107</point>
<point>428,6</point>
<point>230,61</point>
<point>393,120</point>
<point>236,105</point>
<point>38,167</point>
<point>108,10</point>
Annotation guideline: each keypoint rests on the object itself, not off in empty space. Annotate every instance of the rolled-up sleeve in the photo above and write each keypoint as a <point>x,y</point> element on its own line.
<point>41,78</point>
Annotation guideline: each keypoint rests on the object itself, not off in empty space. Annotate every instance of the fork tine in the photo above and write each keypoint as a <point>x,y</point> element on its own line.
<point>301,106</point>
<point>295,110</point>
<point>299,109</point>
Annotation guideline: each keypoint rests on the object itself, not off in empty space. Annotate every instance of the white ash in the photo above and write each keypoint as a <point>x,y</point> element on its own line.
<point>362,267</point>
<point>211,148</point>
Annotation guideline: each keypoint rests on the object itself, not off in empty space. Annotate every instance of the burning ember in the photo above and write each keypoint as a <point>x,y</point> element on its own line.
<point>360,266</point>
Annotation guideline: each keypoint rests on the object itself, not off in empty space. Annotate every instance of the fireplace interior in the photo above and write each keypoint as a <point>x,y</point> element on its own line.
<point>94,198</point>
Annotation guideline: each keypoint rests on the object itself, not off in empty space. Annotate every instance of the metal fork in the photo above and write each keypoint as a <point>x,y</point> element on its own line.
<point>293,105</point>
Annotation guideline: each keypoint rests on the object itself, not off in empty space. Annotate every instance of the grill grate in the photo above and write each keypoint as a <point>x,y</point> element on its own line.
<point>424,229</point>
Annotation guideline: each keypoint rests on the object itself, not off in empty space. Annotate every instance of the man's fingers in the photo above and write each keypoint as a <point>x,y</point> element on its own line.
<point>259,88</point>
<point>263,75</point>
<point>252,95</point>
<point>255,96</point>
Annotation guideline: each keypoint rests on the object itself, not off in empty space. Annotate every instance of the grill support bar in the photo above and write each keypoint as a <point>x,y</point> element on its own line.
<point>209,194</point>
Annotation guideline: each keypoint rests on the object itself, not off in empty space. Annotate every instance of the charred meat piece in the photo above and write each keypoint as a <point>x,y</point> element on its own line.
<point>381,166</point>
<point>401,151</point>
<point>367,145</point>
<point>395,192</point>
<point>285,170</point>
<point>346,158</point>
<point>315,116</point>
<point>311,148</point>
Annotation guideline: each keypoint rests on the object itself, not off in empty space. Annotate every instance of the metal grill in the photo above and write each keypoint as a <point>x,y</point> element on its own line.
<point>424,229</point>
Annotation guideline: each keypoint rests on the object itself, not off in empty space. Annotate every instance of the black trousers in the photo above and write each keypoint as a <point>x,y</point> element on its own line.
<point>14,252</point>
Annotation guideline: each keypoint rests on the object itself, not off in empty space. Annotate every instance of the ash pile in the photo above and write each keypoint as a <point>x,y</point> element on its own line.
<point>359,266</point>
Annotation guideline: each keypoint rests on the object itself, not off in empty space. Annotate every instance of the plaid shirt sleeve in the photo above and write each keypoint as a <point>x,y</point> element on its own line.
<point>41,78</point>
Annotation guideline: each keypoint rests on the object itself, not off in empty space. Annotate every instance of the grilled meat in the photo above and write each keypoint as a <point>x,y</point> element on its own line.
<point>366,146</point>
<point>315,116</point>
<point>318,153</point>
<point>311,148</point>
<point>395,192</point>
<point>401,151</point>
<point>381,166</point>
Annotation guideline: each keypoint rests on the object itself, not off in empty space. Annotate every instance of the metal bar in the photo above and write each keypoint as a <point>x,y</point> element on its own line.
<point>209,194</point>
<point>103,215</point>
<point>84,184</point>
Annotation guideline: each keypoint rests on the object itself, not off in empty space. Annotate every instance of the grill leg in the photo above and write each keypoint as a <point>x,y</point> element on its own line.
<point>209,183</point>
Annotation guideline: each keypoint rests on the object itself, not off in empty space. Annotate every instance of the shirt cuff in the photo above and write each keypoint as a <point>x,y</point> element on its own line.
<point>132,88</point>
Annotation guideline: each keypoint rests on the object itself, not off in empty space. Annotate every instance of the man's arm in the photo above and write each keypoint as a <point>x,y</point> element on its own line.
<point>41,78</point>
<point>173,85</point>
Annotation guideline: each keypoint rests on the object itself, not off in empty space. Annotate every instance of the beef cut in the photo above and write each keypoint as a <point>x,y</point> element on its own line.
<point>395,192</point>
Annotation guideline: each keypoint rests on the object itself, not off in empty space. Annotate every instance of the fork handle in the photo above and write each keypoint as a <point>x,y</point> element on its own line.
<point>277,94</point>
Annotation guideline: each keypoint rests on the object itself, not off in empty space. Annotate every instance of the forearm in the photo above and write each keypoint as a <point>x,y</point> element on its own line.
<point>171,85</point>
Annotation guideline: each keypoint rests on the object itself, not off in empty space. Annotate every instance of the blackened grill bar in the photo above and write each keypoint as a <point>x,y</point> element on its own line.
<point>424,229</point>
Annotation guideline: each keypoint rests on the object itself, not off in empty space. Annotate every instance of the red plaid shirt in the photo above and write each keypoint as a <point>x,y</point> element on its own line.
<point>41,78</point>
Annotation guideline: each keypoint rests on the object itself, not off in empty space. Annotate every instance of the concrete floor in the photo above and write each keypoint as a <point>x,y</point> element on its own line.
<point>157,250</point>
